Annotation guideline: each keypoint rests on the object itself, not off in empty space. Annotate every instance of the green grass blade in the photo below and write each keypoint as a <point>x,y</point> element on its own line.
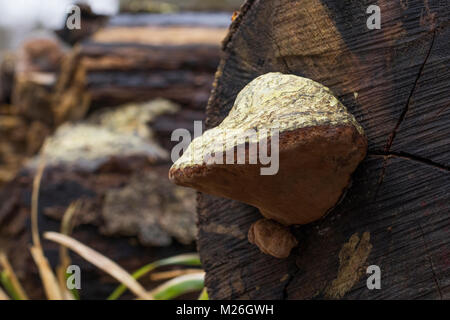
<point>191,259</point>
<point>9,287</point>
<point>10,278</point>
<point>74,291</point>
<point>204,295</point>
<point>179,286</point>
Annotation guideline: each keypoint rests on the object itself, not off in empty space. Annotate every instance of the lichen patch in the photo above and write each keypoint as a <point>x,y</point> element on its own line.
<point>352,259</point>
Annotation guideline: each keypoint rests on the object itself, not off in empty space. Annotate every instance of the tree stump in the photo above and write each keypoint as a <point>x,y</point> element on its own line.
<point>395,80</point>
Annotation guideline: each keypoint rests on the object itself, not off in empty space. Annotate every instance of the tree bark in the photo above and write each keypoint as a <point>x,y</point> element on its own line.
<point>395,81</point>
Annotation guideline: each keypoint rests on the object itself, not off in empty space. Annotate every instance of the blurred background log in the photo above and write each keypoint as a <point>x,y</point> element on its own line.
<point>128,209</point>
<point>26,118</point>
<point>109,84</point>
<point>164,6</point>
<point>396,214</point>
<point>131,60</point>
<point>117,74</point>
<point>127,60</point>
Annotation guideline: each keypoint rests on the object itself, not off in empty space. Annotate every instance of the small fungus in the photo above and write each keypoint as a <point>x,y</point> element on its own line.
<point>272,238</point>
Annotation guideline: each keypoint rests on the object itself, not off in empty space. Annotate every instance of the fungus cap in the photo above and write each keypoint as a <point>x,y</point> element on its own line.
<point>320,144</point>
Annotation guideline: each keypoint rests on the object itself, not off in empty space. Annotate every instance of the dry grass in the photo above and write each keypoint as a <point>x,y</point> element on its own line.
<point>3,295</point>
<point>11,276</point>
<point>64,257</point>
<point>35,204</point>
<point>48,278</point>
<point>165,275</point>
<point>101,262</point>
<point>55,287</point>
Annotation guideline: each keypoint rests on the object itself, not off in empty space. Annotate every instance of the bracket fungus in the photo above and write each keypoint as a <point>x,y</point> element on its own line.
<point>316,144</point>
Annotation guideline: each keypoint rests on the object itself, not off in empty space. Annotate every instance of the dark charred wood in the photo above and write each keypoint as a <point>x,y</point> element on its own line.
<point>396,214</point>
<point>7,69</point>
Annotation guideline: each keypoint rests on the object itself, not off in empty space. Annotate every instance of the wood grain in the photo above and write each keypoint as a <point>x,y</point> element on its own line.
<point>396,214</point>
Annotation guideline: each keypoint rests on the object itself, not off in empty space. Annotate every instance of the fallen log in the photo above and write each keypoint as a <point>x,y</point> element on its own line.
<point>122,63</point>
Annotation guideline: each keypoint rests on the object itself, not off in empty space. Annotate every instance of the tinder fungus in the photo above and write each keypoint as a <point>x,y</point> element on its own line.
<point>287,147</point>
